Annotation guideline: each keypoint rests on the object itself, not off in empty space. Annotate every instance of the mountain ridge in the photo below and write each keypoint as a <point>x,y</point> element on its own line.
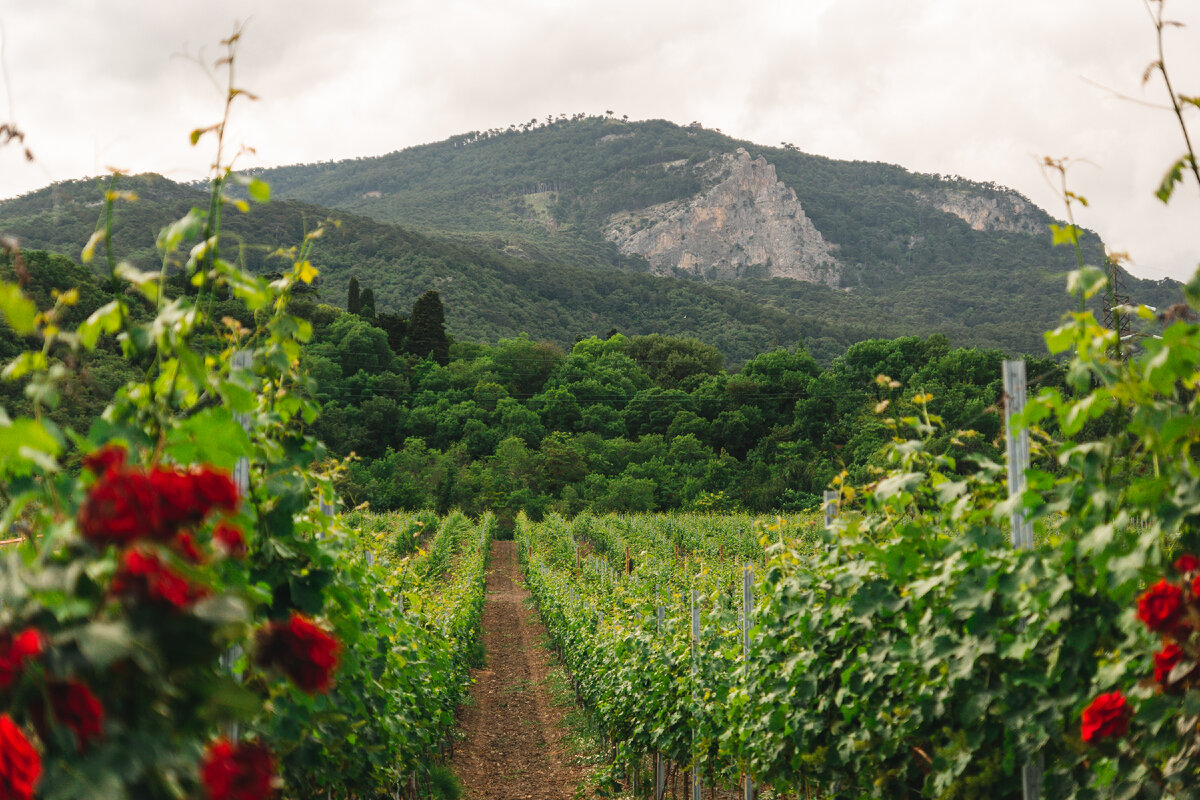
<point>510,225</point>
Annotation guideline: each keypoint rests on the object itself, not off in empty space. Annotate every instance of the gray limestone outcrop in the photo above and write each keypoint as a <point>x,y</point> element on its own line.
<point>744,223</point>
<point>1003,211</point>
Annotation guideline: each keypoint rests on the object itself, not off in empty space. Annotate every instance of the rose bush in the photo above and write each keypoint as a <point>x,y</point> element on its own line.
<point>156,606</point>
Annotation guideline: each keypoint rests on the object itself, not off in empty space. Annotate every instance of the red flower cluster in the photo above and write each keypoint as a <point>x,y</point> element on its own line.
<point>230,540</point>
<point>1165,661</point>
<point>143,577</point>
<point>187,497</point>
<point>301,650</point>
<point>120,508</point>
<point>1187,563</point>
<point>127,503</point>
<point>1168,609</point>
<point>20,765</point>
<point>77,708</point>
<point>1106,717</point>
<point>106,458</point>
<point>1161,606</point>
<point>1174,612</point>
<point>186,546</point>
<point>15,651</point>
<point>242,771</point>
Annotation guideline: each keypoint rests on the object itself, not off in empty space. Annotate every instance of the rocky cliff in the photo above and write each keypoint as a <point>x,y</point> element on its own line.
<point>744,223</point>
<point>1004,211</point>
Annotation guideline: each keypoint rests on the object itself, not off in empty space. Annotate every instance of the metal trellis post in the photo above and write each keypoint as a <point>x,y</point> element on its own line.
<point>830,504</point>
<point>660,764</point>
<point>747,621</point>
<point>1022,529</point>
<point>695,671</point>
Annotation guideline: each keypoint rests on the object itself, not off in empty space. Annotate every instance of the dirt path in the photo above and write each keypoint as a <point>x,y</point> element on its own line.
<point>514,747</point>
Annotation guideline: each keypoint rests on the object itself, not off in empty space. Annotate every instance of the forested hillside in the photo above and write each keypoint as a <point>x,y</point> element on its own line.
<point>488,295</point>
<point>963,253</point>
<point>535,271</point>
<point>633,423</point>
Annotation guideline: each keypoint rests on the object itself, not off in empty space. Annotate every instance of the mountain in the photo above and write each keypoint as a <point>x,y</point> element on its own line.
<point>582,225</point>
<point>927,252</point>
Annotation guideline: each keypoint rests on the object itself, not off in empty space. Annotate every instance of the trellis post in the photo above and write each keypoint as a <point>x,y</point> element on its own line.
<point>660,765</point>
<point>241,359</point>
<point>695,674</point>
<point>747,621</point>
<point>1017,443</point>
<point>1018,450</point>
<point>830,504</point>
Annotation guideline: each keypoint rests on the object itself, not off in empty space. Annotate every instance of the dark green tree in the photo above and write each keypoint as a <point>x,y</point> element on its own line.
<point>427,329</point>
<point>396,328</point>
<point>353,299</point>
<point>366,306</point>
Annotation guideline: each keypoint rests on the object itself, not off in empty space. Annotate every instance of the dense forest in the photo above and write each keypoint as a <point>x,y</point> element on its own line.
<point>637,423</point>
<point>615,422</point>
<point>492,352</point>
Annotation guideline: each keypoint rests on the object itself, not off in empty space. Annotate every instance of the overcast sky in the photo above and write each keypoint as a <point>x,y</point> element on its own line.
<point>978,89</point>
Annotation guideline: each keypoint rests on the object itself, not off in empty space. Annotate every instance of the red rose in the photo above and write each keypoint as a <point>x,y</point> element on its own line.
<point>15,651</point>
<point>121,507</point>
<point>188,497</point>
<point>77,708</point>
<point>1196,586</point>
<point>1187,563</point>
<point>230,539</point>
<point>301,650</point>
<point>1107,716</point>
<point>215,488</point>
<point>179,502</point>
<point>20,765</point>
<point>28,643</point>
<point>106,458</point>
<point>1161,606</point>
<point>142,577</point>
<point>1165,661</point>
<point>129,504</point>
<point>242,771</point>
<point>186,546</point>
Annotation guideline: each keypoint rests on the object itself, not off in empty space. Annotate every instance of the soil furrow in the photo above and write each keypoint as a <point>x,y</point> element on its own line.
<point>514,746</point>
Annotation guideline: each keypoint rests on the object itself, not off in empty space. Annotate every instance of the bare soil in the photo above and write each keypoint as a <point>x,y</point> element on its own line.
<point>515,744</point>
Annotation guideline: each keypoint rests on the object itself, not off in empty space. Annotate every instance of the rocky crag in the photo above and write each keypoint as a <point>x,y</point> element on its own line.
<point>1002,210</point>
<point>744,223</point>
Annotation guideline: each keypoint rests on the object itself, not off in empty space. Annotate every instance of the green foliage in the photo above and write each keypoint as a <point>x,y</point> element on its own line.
<point>911,651</point>
<point>911,268</point>
<point>599,432</point>
<point>427,330</point>
<point>409,624</point>
<point>173,637</point>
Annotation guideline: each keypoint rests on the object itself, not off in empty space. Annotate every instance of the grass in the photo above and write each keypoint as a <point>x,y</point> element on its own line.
<point>582,737</point>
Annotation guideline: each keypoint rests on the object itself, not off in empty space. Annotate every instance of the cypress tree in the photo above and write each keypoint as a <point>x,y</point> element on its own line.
<point>396,328</point>
<point>427,329</point>
<point>366,305</point>
<point>353,300</point>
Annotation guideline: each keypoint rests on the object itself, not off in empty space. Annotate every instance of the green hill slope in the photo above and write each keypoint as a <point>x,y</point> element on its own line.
<point>509,226</point>
<point>969,259</point>
<point>488,295</point>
